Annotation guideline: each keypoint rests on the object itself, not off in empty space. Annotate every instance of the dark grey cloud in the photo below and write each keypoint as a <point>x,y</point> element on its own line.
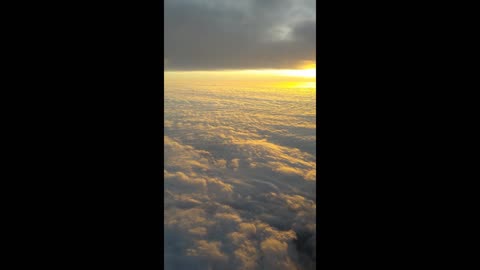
<point>233,34</point>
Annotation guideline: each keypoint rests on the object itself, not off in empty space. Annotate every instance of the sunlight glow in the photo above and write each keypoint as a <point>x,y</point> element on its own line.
<point>264,73</point>
<point>303,77</point>
<point>306,73</point>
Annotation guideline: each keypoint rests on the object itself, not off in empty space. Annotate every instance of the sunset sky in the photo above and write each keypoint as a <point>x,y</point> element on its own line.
<point>263,40</point>
<point>240,135</point>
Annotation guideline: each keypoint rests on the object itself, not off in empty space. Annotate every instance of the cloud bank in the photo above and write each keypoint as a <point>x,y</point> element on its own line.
<point>232,34</point>
<point>240,172</point>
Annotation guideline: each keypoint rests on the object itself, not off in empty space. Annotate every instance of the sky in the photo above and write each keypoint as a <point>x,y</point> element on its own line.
<point>240,135</point>
<point>239,35</point>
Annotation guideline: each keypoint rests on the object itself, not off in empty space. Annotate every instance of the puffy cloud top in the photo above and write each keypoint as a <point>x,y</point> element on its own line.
<point>240,178</point>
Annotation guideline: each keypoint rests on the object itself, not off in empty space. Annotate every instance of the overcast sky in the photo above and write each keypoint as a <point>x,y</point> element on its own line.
<point>238,34</point>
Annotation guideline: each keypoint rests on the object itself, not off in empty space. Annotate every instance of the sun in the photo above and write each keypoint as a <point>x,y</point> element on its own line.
<point>307,69</point>
<point>305,73</point>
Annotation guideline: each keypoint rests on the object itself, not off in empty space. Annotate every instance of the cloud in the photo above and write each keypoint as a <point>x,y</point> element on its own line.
<point>208,250</point>
<point>276,254</point>
<point>240,175</point>
<point>231,34</point>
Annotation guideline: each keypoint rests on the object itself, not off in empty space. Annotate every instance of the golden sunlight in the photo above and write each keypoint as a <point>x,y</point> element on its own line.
<point>289,78</point>
<point>306,73</point>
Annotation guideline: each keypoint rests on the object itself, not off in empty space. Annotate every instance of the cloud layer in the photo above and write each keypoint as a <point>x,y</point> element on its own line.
<point>240,178</point>
<point>232,34</point>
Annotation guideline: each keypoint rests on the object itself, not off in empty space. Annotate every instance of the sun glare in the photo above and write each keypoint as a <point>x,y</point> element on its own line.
<point>306,73</point>
<point>303,77</point>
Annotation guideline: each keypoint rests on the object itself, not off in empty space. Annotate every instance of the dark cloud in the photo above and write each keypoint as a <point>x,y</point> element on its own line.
<point>232,34</point>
